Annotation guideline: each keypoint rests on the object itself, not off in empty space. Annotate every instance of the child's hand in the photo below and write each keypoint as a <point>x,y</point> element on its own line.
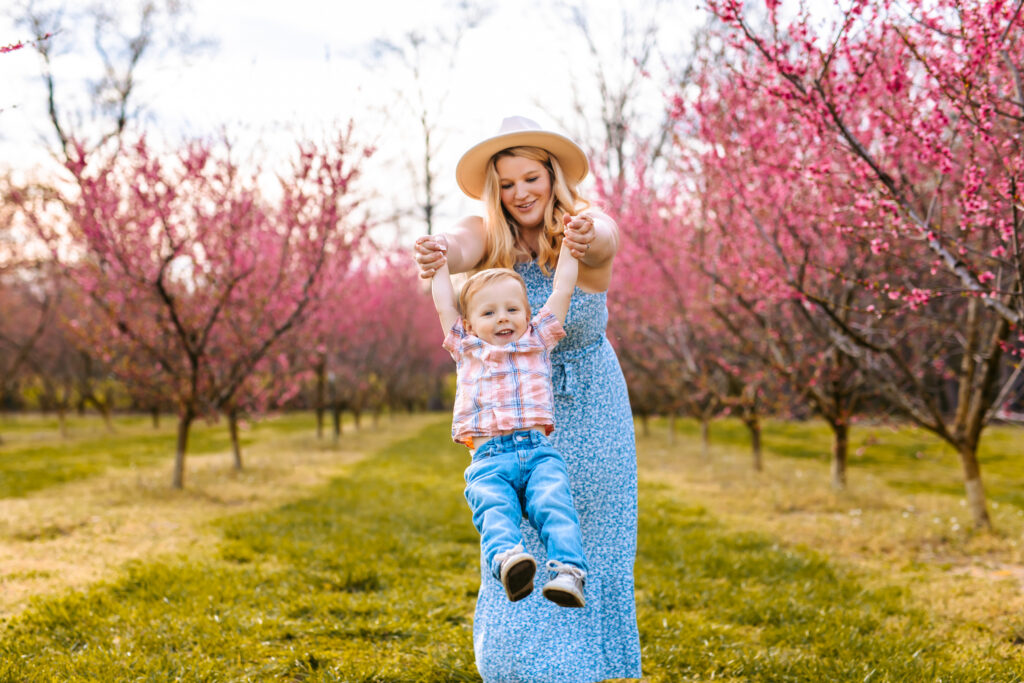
<point>579,233</point>
<point>430,254</point>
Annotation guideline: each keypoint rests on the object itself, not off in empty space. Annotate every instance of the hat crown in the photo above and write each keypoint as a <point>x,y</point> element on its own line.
<point>517,124</point>
<point>519,131</point>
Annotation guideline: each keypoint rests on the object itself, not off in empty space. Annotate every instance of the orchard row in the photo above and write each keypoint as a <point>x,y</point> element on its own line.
<point>838,223</point>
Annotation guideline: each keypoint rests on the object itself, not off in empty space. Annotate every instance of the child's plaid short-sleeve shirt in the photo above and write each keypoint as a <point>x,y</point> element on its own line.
<point>503,388</point>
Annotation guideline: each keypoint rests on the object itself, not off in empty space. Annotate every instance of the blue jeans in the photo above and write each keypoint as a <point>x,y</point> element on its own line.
<point>517,473</point>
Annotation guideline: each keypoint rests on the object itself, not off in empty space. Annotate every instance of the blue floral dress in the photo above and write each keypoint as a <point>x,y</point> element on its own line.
<point>534,640</point>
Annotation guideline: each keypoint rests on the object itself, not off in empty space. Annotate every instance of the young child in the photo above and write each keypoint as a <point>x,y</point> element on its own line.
<point>503,412</point>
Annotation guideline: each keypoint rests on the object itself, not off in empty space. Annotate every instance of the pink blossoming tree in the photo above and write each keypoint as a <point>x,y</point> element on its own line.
<point>194,273</point>
<point>903,130</point>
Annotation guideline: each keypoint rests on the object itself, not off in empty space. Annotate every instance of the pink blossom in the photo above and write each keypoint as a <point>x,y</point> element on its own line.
<point>917,298</point>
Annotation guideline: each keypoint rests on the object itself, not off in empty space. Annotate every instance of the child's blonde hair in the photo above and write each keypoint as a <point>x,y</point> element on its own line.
<point>502,231</point>
<point>487,277</point>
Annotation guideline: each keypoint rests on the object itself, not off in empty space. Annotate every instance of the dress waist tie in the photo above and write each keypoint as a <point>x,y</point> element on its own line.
<point>563,373</point>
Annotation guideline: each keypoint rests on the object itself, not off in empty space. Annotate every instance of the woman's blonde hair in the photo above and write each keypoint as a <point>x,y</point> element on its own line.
<point>483,278</point>
<point>503,232</point>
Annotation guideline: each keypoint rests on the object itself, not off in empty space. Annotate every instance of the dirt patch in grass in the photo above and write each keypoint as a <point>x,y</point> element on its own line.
<point>70,535</point>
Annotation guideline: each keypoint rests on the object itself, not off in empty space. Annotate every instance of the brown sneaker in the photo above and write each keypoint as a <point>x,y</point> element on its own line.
<point>566,589</point>
<point>517,570</point>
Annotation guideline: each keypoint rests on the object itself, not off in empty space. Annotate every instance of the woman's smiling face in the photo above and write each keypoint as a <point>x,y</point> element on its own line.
<point>525,189</point>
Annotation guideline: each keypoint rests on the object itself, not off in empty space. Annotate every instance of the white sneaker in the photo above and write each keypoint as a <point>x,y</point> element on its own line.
<point>566,589</point>
<point>517,570</point>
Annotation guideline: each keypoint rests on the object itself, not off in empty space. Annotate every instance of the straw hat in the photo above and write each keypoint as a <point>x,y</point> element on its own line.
<point>519,131</point>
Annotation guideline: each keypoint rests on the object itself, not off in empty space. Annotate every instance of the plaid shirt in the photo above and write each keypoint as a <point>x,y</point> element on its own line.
<point>503,388</point>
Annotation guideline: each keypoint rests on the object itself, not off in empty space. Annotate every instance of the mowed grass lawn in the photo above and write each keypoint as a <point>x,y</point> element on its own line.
<point>371,575</point>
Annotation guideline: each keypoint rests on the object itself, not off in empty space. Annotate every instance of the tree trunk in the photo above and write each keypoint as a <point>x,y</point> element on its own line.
<point>645,424</point>
<point>705,438</point>
<point>319,400</point>
<point>435,402</point>
<point>184,423</point>
<point>155,414</point>
<point>236,447</point>
<point>840,449</point>
<point>336,415</point>
<point>973,487</point>
<point>358,415</point>
<point>754,427</point>
<point>104,410</point>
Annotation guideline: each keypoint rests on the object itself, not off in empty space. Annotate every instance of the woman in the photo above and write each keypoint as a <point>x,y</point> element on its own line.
<point>527,178</point>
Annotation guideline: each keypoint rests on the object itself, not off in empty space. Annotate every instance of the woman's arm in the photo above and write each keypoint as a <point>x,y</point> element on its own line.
<point>464,244</point>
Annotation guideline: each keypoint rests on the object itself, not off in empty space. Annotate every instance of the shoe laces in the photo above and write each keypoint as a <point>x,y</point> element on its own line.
<point>562,568</point>
<point>504,555</point>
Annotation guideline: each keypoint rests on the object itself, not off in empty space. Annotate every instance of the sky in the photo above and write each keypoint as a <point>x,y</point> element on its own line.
<point>275,72</point>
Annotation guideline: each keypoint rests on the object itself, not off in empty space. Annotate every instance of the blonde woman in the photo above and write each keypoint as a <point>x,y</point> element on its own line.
<point>527,178</point>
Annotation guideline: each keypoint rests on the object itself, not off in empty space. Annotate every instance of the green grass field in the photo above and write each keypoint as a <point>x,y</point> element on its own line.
<point>372,577</point>
<point>32,459</point>
<point>893,454</point>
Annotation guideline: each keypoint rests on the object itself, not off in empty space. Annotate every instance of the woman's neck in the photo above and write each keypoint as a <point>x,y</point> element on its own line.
<point>529,239</point>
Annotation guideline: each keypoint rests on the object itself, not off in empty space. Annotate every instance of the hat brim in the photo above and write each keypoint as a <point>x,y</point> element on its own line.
<point>472,167</point>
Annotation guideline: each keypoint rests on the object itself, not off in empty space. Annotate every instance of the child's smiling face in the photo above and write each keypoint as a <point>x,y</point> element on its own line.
<point>497,313</point>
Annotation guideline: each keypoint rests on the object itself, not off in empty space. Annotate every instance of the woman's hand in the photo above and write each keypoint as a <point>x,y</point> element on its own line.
<point>579,234</point>
<point>429,253</point>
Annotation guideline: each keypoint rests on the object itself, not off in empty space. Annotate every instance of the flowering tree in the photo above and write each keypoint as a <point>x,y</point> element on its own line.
<point>903,131</point>
<point>662,308</point>
<point>4,49</point>
<point>273,382</point>
<point>926,98</point>
<point>764,217</point>
<point>378,339</point>
<point>29,304</point>
<point>412,362</point>
<point>193,272</point>
<point>63,370</point>
<point>341,381</point>
<point>29,297</point>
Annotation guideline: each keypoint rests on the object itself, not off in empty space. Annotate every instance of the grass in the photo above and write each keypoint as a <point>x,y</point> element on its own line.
<point>894,454</point>
<point>714,603</point>
<point>73,534</point>
<point>31,459</point>
<point>372,577</point>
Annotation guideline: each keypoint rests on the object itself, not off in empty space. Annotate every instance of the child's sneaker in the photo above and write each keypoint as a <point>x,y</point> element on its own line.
<point>516,573</point>
<point>566,589</point>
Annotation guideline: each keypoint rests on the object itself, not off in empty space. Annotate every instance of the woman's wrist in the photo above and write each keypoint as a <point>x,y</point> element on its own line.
<point>597,250</point>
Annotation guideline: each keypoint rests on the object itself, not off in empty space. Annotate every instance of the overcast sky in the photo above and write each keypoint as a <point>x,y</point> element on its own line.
<point>278,71</point>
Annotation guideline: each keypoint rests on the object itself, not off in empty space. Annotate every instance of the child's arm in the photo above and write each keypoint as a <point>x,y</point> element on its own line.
<point>564,283</point>
<point>444,298</point>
